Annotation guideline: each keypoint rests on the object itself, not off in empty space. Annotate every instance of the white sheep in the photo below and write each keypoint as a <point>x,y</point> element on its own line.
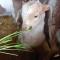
<point>33,14</point>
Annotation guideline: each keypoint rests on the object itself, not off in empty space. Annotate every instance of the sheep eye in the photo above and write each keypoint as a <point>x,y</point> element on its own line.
<point>35,16</point>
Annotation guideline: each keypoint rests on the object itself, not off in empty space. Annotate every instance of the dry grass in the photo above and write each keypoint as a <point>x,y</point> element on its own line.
<point>7,26</point>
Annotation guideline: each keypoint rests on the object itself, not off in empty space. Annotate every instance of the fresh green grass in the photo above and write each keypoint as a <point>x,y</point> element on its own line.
<point>5,42</point>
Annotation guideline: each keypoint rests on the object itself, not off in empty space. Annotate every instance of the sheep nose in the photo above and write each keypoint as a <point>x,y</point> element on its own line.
<point>30,27</point>
<point>27,27</point>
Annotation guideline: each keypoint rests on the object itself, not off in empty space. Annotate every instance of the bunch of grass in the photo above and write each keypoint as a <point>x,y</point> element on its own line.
<point>5,42</point>
<point>7,45</point>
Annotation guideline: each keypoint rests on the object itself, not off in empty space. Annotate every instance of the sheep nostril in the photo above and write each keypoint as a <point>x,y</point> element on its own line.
<point>30,27</point>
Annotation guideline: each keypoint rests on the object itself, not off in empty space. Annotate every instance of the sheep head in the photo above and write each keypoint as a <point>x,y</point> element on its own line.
<point>32,13</point>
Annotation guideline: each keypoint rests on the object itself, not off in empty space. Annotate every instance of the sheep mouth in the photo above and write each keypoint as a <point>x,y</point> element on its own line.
<point>27,28</point>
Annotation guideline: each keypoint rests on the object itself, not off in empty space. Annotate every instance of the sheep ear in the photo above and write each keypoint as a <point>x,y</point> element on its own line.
<point>45,7</point>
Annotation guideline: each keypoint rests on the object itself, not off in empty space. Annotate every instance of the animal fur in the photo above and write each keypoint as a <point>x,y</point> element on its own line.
<point>33,14</point>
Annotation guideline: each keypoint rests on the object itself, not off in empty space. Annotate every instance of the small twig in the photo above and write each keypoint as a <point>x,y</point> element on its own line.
<point>15,50</point>
<point>9,53</point>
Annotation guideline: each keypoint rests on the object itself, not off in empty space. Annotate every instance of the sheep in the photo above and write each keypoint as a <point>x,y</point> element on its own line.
<point>33,14</point>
